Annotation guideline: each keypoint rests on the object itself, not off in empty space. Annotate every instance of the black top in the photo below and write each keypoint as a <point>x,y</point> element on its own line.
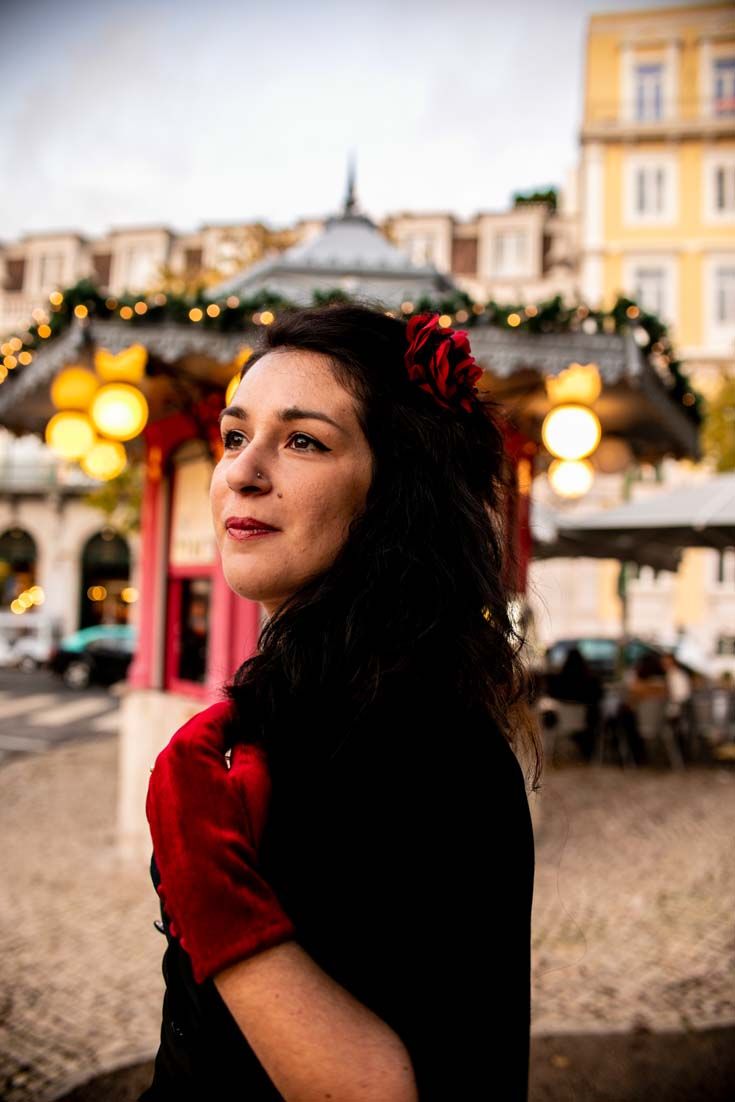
<point>406,865</point>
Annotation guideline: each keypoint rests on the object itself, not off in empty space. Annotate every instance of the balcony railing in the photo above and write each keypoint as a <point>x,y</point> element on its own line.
<point>16,308</point>
<point>42,476</point>
<point>685,118</point>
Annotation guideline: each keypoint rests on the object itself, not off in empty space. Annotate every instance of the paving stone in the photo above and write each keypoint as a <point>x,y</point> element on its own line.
<point>632,922</point>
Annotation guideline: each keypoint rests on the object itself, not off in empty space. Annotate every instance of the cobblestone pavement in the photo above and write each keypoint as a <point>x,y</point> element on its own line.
<point>633,909</point>
<point>634,900</point>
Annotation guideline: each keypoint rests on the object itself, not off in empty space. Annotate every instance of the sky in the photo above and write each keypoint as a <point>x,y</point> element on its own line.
<point>183,114</point>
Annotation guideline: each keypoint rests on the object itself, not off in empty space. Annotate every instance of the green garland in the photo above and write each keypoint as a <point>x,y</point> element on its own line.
<point>237,315</point>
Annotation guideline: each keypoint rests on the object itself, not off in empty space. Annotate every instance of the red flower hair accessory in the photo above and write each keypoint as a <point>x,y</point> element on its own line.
<point>440,361</point>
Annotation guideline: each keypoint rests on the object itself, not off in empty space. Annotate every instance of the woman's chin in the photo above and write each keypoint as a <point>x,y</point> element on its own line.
<point>250,586</point>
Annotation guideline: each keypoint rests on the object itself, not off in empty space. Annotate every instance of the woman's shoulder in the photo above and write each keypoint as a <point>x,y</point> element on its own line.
<point>426,732</point>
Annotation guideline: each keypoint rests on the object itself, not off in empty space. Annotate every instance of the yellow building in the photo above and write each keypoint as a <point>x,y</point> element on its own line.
<point>658,174</point>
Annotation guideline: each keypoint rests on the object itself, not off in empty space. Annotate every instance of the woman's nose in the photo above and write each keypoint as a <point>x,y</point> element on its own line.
<point>248,472</point>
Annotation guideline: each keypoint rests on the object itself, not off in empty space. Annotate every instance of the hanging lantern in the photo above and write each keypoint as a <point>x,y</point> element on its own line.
<point>74,388</point>
<point>119,411</point>
<point>105,460</point>
<point>127,366</point>
<point>577,383</point>
<point>571,432</point>
<point>571,478</point>
<point>70,434</point>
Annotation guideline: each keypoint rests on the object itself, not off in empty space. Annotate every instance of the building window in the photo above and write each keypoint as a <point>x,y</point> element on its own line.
<point>192,260</point>
<point>726,567</point>
<point>464,255</point>
<point>650,190</point>
<point>140,268</point>
<point>190,656</point>
<point>649,289</point>
<point>191,561</point>
<point>724,86</point>
<point>725,646</point>
<point>420,247</point>
<point>650,193</point>
<point>101,266</point>
<point>725,295</point>
<point>51,270</point>
<point>718,192</point>
<point>725,189</point>
<point>510,253</point>
<point>649,92</point>
<point>15,273</point>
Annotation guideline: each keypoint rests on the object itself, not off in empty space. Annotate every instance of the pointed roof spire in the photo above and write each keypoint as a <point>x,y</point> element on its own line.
<point>350,207</point>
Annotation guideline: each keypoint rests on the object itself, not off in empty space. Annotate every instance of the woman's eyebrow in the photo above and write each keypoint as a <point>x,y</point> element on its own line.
<point>292,413</point>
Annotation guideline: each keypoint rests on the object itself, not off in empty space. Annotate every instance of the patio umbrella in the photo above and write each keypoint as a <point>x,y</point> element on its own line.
<point>652,531</point>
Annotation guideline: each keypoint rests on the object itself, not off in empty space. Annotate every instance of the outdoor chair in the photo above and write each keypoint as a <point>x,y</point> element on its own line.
<point>654,726</point>
<point>712,716</point>
<point>560,719</point>
<point>611,730</point>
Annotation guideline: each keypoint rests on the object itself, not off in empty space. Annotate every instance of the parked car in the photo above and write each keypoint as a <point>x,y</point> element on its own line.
<point>28,641</point>
<point>609,658</point>
<point>101,653</point>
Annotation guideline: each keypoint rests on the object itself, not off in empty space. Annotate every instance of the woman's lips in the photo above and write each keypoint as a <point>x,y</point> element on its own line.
<point>242,534</point>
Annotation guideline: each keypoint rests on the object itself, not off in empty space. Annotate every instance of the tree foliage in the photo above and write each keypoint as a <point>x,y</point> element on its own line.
<point>718,436</point>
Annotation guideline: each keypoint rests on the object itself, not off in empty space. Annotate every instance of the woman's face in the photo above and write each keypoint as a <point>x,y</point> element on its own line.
<point>292,422</point>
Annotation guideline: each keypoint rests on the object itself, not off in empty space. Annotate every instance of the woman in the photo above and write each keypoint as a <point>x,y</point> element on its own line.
<point>347,906</point>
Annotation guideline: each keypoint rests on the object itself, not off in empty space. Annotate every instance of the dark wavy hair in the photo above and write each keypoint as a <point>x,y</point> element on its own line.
<point>418,588</point>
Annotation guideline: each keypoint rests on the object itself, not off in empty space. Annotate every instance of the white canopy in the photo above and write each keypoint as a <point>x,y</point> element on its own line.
<point>652,531</point>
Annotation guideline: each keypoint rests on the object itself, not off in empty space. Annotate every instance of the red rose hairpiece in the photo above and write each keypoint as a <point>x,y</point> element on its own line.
<point>440,361</point>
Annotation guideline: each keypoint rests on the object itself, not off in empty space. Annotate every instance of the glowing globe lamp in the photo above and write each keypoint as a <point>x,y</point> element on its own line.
<point>571,432</point>
<point>119,411</point>
<point>571,477</point>
<point>70,434</point>
<point>105,460</point>
<point>74,388</point>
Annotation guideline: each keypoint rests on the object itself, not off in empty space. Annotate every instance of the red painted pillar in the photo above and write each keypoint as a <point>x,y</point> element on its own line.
<point>141,673</point>
<point>234,622</point>
<point>520,452</point>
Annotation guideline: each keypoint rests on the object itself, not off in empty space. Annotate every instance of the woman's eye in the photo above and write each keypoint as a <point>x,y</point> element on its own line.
<point>233,438</point>
<point>227,438</point>
<point>310,443</point>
